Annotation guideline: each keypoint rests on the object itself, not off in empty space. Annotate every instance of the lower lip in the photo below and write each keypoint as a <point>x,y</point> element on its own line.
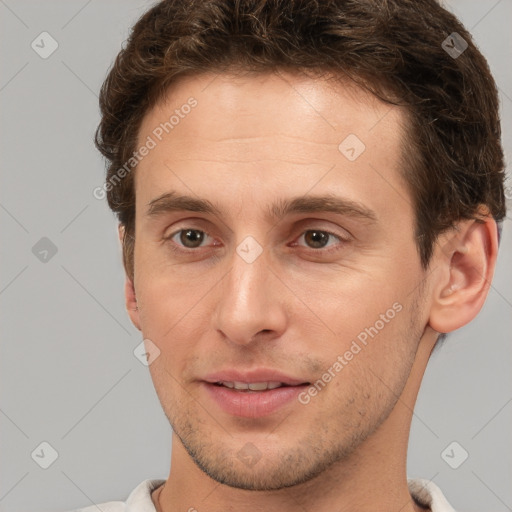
<point>252,404</point>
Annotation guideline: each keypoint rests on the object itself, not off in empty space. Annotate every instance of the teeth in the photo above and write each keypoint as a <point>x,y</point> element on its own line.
<point>253,386</point>
<point>258,386</point>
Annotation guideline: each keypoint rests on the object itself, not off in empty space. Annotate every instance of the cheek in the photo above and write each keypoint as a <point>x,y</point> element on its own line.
<point>354,304</point>
<point>375,329</point>
<point>164,311</point>
<point>168,293</point>
<point>367,372</point>
<point>168,385</point>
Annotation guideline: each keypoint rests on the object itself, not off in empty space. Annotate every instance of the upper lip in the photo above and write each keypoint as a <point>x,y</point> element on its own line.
<point>253,376</point>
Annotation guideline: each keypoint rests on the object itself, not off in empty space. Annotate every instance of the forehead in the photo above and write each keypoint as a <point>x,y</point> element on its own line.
<point>270,132</point>
<point>270,103</point>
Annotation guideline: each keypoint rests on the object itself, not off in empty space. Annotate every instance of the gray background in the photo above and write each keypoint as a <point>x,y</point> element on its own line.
<point>68,373</point>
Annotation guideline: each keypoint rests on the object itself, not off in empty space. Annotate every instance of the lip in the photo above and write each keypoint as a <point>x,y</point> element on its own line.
<point>252,376</point>
<point>252,404</point>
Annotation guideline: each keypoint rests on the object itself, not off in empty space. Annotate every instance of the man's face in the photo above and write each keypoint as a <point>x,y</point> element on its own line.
<point>253,294</point>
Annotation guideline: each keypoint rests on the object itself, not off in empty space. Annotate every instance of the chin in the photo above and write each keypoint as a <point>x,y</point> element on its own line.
<point>268,468</point>
<point>268,477</point>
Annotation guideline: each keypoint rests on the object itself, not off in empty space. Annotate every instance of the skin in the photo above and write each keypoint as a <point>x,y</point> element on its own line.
<point>250,141</point>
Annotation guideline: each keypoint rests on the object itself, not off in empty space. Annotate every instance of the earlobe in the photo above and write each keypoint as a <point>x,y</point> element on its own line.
<point>131,302</point>
<point>129,291</point>
<point>466,262</point>
<point>120,232</point>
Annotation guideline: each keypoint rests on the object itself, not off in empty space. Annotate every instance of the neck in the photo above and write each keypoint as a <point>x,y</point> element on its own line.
<point>372,478</point>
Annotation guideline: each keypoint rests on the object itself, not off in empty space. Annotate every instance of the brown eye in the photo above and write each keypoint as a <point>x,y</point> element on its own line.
<point>317,239</point>
<point>322,242</point>
<point>191,238</point>
<point>190,241</point>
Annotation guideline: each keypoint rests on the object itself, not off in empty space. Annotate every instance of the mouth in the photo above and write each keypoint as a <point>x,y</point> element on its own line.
<point>254,386</point>
<point>253,394</point>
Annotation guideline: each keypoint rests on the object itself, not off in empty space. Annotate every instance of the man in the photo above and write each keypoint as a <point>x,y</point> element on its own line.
<point>308,196</point>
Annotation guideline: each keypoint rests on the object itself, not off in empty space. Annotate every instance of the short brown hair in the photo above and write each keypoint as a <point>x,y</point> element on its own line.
<point>454,159</point>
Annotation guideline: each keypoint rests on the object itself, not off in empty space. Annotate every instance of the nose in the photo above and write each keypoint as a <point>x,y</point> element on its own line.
<point>251,304</point>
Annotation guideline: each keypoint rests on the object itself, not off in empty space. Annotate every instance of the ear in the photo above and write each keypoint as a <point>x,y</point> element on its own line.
<point>465,259</point>
<point>129,291</point>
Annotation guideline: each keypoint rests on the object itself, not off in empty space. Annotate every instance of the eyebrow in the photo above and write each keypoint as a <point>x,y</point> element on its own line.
<point>172,201</point>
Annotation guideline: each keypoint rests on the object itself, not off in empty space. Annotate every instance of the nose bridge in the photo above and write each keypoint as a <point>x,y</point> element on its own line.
<point>248,302</point>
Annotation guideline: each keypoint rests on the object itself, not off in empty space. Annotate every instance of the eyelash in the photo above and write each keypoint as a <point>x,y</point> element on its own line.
<point>178,249</point>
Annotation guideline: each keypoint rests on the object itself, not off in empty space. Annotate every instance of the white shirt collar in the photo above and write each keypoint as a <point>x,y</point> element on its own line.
<point>424,491</point>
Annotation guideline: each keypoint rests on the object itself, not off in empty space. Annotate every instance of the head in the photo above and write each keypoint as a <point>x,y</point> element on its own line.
<point>364,163</point>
